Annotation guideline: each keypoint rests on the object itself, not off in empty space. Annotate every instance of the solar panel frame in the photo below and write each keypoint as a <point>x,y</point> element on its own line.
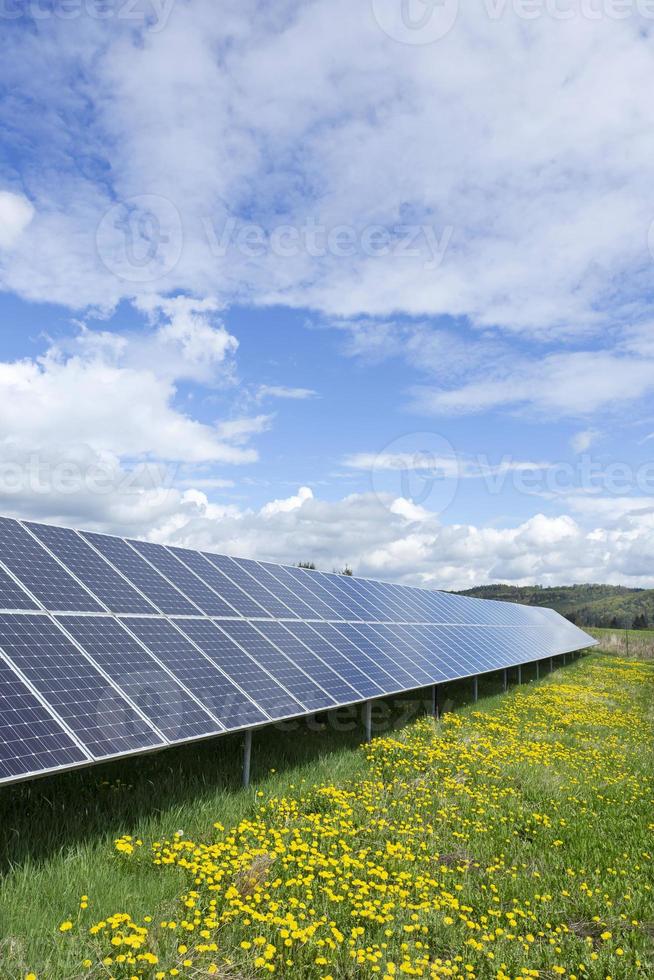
<point>223,697</point>
<point>142,574</point>
<point>40,573</point>
<point>256,590</point>
<point>228,590</point>
<point>67,680</point>
<point>103,581</point>
<point>137,671</point>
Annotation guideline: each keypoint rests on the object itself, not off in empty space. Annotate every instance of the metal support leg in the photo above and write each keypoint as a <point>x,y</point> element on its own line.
<point>505,680</point>
<point>538,670</point>
<point>551,664</point>
<point>247,755</point>
<point>564,659</point>
<point>475,688</point>
<point>519,674</point>
<point>367,720</point>
<point>434,701</point>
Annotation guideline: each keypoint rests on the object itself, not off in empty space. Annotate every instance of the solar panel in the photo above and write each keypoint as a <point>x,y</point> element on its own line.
<point>111,646</point>
<point>31,739</point>
<point>242,668</point>
<point>91,569</point>
<point>44,577</point>
<point>227,702</point>
<point>11,594</point>
<point>97,714</point>
<point>273,659</point>
<point>141,574</point>
<point>252,587</point>
<point>164,561</point>
<point>220,583</point>
<point>158,695</point>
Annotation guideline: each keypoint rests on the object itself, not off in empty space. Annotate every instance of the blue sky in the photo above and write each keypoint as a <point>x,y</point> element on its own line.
<point>307,282</point>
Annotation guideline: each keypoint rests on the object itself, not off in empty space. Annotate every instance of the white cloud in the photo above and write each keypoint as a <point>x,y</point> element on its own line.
<point>16,212</point>
<point>550,217</point>
<point>581,441</point>
<point>275,507</point>
<point>282,391</point>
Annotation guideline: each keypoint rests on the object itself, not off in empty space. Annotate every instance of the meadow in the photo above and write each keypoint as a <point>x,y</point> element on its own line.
<point>511,839</point>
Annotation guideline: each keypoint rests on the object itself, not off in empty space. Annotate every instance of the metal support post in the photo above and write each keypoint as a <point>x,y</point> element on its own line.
<point>519,674</point>
<point>538,670</point>
<point>434,701</point>
<point>247,755</point>
<point>505,680</point>
<point>475,688</point>
<point>367,720</point>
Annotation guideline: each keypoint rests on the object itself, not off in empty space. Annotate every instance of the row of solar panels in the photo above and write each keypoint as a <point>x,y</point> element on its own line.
<point>76,689</point>
<point>80,683</point>
<point>64,570</point>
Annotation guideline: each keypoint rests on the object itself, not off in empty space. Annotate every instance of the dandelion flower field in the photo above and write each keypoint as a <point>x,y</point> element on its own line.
<point>513,839</point>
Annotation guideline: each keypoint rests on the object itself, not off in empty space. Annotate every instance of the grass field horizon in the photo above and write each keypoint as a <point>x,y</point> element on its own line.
<point>512,839</point>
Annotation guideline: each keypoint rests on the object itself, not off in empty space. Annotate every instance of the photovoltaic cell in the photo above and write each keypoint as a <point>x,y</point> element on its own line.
<point>146,579</point>
<point>175,571</point>
<point>325,675</point>
<point>290,599</point>
<point>325,642</point>
<point>241,668</point>
<point>272,659</point>
<point>100,717</point>
<point>200,675</point>
<point>226,589</point>
<point>11,594</point>
<point>251,586</point>
<point>392,662</point>
<point>40,573</point>
<point>96,574</point>
<point>158,696</point>
<point>282,575</point>
<point>31,740</point>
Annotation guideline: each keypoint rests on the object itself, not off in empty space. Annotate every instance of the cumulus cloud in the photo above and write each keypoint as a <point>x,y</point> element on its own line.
<point>537,215</point>
<point>16,212</point>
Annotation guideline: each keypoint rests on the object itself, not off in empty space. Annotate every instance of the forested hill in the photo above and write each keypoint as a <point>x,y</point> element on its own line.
<point>586,605</point>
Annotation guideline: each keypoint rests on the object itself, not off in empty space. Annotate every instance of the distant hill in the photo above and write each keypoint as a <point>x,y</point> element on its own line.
<point>585,605</point>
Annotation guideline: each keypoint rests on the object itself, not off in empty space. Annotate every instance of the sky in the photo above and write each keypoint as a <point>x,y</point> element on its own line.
<point>364,284</point>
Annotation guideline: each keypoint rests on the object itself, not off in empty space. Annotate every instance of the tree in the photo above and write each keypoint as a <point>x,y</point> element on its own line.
<point>307,564</point>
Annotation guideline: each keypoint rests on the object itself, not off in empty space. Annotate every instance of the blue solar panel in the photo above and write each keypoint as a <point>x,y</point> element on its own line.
<point>11,594</point>
<point>221,584</point>
<point>327,676</point>
<point>301,588</point>
<point>282,668</point>
<point>398,667</point>
<point>290,599</point>
<point>158,696</point>
<point>340,637</point>
<point>309,580</point>
<point>175,571</point>
<point>96,574</point>
<point>231,705</point>
<point>95,712</point>
<point>146,579</point>
<point>31,740</point>
<point>40,573</point>
<point>251,586</point>
<point>241,668</point>
<point>325,643</point>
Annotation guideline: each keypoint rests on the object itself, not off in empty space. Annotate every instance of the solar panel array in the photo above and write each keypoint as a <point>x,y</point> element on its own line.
<point>110,646</point>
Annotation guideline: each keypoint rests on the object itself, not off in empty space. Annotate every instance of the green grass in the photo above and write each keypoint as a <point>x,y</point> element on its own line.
<point>58,833</point>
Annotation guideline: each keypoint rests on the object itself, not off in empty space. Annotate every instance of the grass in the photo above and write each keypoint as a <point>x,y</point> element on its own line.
<point>514,836</point>
<point>625,643</point>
